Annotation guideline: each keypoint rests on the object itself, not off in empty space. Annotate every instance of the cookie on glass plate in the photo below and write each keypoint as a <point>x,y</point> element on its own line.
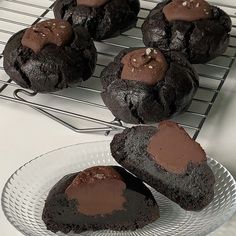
<point>166,158</point>
<point>98,198</point>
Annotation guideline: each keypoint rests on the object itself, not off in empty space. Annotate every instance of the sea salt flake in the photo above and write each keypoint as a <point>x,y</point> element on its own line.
<point>150,67</point>
<point>184,3</point>
<point>148,51</point>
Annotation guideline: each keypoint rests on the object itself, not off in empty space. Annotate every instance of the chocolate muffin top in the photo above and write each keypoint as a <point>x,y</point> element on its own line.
<point>50,56</point>
<point>102,18</point>
<point>193,27</point>
<point>143,85</point>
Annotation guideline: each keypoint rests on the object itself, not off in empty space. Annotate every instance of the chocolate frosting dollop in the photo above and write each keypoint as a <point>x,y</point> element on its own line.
<point>92,3</point>
<point>55,31</point>
<point>173,149</point>
<point>147,65</point>
<point>187,10</point>
<point>97,191</point>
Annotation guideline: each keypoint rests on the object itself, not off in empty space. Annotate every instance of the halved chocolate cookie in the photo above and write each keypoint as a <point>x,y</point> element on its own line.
<point>193,27</point>
<point>102,18</point>
<point>143,85</point>
<point>101,197</point>
<point>50,56</point>
<point>167,159</point>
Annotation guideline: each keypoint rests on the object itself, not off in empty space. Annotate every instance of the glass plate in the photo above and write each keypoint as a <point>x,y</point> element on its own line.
<point>25,192</point>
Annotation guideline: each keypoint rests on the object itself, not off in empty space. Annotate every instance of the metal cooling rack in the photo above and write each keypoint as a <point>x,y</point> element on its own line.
<point>83,103</point>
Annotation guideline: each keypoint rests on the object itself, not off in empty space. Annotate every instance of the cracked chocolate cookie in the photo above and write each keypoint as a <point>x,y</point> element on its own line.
<point>193,27</point>
<point>98,198</point>
<point>143,85</point>
<point>102,18</point>
<point>50,56</point>
<point>167,159</point>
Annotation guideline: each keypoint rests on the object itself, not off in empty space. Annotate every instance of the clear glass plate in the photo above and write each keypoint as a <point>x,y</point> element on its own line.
<point>25,192</point>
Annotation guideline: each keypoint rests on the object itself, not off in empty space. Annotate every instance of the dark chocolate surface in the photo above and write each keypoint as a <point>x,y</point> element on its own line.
<point>59,214</point>
<point>53,68</point>
<point>193,190</point>
<point>136,102</point>
<point>200,40</point>
<point>104,21</point>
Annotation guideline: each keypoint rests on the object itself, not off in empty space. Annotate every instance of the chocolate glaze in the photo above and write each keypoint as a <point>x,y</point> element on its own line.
<point>92,3</point>
<point>98,191</point>
<point>187,10</point>
<point>173,149</point>
<point>146,65</point>
<point>58,32</point>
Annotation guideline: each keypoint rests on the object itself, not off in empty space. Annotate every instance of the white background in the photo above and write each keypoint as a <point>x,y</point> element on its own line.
<point>25,134</point>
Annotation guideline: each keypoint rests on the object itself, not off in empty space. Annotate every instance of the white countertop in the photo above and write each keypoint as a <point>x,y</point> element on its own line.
<point>26,134</point>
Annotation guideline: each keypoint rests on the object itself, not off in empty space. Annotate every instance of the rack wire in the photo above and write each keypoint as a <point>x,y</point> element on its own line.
<point>84,103</point>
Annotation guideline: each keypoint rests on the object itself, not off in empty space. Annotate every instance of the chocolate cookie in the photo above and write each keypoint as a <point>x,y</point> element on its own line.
<point>102,18</point>
<point>143,85</point>
<point>167,159</point>
<point>193,27</point>
<point>50,56</point>
<point>101,197</point>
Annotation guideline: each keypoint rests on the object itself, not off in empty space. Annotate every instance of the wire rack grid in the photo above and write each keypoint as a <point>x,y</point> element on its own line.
<point>84,103</point>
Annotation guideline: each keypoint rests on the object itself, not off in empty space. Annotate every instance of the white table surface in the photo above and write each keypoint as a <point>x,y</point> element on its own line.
<point>25,134</point>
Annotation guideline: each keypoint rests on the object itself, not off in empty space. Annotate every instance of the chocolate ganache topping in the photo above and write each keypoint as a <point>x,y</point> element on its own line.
<point>146,65</point>
<point>98,191</point>
<point>173,149</point>
<point>92,3</point>
<point>58,32</point>
<point>187,10</point>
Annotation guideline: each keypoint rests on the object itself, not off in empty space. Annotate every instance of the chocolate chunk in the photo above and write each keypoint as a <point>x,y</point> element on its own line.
<point>98,191</point>
<point>173,149</point>
<point>187,10</point>
<point>58,32</point>
<point>92,3</point>
<point>146,65</point>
